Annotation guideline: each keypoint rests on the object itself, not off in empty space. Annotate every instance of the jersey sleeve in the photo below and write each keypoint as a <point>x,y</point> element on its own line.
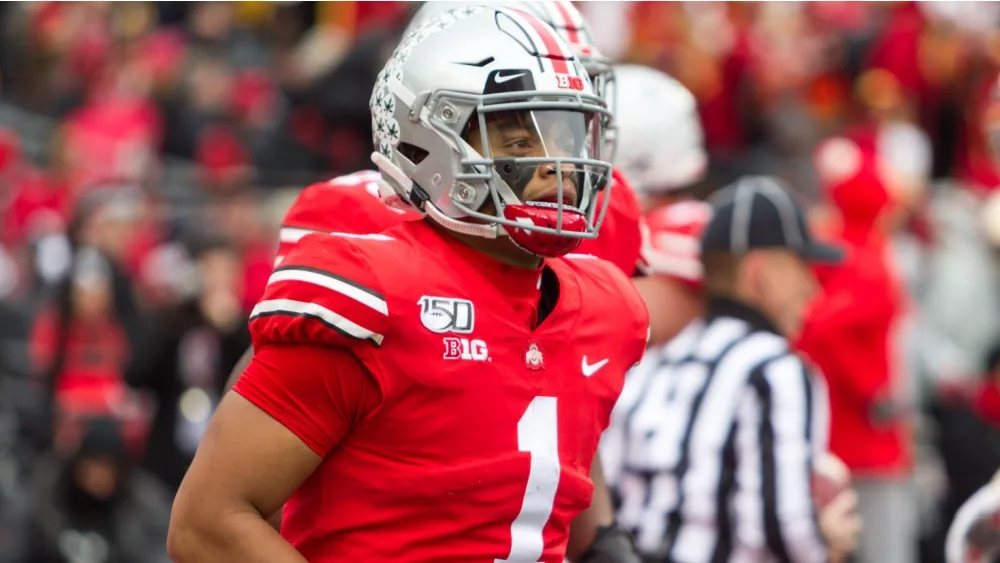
<point>318,392</point>
<point>326,293</point>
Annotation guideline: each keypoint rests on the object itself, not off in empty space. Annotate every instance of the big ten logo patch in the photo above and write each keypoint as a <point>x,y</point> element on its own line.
<point>446,314</point>
<point>569,82</point>
<point>457,348</point>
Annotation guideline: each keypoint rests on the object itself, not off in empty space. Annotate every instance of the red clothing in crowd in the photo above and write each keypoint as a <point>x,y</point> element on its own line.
<point>850,327</point>
<point>96,353</point>
<point>37,204</point>
<point>110,139</point>
<point>986,403</point>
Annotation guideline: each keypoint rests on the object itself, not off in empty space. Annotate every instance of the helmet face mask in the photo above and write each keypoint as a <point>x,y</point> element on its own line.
<point>508,144</point>
<point>546,155</point>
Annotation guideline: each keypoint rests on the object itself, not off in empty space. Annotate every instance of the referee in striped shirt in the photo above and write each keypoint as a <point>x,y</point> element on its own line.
<point>715,432</point>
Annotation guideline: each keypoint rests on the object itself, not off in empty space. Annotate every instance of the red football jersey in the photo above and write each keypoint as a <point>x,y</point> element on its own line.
<point>671,240</point>
<point>480,446</point>
<point>347,204</point>
<point>620,238</point>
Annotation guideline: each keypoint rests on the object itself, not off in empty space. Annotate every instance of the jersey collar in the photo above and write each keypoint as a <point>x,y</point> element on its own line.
<point>719,306</point>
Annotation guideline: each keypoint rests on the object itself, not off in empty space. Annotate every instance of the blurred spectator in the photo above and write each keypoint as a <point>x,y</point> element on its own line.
<point>83,339</point>
<point>94,505</point>
<point>189,350</point>
<point>96,347</point>
<point>238,218</point>
<point>849,333</point>
<point>960,292</point>
<point>342,95</point>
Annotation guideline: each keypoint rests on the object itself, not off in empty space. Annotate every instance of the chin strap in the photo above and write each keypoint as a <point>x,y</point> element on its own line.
<point>474,229</point>
<point>611,545</point>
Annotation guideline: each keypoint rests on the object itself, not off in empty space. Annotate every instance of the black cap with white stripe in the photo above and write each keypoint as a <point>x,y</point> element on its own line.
<point>756,213</point>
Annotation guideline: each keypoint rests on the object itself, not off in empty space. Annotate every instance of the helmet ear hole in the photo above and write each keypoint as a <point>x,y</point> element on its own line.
<point>413,153</point>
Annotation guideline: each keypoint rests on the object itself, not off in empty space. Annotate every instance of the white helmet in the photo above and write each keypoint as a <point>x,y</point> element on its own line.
<point>660,145</point>
<point>511,70</point>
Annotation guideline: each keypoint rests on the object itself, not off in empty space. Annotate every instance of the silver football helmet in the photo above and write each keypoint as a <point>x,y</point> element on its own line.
<point>661,146</point>
<point>569,23</point>
<point>462,132</point>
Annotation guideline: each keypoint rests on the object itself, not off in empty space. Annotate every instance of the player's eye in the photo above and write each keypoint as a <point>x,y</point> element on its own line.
<point>523,144</point>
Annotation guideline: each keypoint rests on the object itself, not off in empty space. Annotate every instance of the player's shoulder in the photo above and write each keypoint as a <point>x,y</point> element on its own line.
<point>624,209</point>
<point>328,289</point>
<point>350,204</point>
<point>318,204</point>
<point>623,195</point>
<point>603,283</point>
<point>671,240</point>
<point>609,300</point>
<point>620,234</point>
<point>593,269</point>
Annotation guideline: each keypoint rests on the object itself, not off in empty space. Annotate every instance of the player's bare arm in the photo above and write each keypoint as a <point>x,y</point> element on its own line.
<point>234,376</point>
<point>238,369</point>
<point>593,536</point>
<point>219,516</point>
<point>601,513</point>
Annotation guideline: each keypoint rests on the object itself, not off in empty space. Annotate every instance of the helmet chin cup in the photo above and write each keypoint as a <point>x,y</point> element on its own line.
<point>543,215</point>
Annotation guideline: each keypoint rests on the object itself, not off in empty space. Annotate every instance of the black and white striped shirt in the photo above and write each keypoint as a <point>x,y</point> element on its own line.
<point>712,441</point>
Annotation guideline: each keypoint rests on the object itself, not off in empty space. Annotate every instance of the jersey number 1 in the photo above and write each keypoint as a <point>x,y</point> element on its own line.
<point>537,434</point>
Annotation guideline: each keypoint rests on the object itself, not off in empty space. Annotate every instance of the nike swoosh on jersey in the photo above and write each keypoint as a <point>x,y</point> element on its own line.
<point>501,79</point>
<point>590,369</point>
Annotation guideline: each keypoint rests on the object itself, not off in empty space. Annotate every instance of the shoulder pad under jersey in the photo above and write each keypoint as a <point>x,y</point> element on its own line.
<point>607,286</point>
<point>325,292</point>
<point>346,204</point>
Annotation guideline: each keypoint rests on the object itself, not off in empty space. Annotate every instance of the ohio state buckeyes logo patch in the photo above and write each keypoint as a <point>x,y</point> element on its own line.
<point>447,314</point>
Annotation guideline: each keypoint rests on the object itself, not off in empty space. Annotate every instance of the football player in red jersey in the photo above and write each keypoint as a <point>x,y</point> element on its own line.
<point>321,206</point>
<point>399,424</point>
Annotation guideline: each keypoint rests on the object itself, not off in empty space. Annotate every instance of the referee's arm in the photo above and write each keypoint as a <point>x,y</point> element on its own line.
<point>777,420</point>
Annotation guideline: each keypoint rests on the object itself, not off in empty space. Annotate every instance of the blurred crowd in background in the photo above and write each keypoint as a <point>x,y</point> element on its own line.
<point>148,151</point>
